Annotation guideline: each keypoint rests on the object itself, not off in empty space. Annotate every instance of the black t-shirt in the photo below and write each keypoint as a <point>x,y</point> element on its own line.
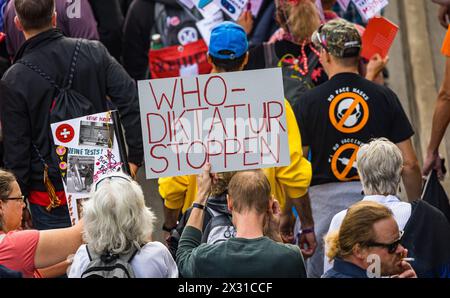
<point>341,115</point>
<point>256,59</point>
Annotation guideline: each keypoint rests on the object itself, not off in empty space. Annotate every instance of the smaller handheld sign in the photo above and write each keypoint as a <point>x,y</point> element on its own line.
<point>207,24</point>
<point>369,8</point>
<point>378,37</point>
<point>87,148</point>
<point>233,8</point>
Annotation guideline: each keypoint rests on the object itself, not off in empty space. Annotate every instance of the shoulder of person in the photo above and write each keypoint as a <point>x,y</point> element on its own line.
<point>386,91</point>
<point>289,248</point>
<point>430,210</point>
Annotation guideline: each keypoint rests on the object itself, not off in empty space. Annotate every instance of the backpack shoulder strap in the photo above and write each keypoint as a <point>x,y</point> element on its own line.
<point>40,72</point>
<point>133,253</point>
<point>270,56</point>
<point>73,63</point>
<point>91,254</point>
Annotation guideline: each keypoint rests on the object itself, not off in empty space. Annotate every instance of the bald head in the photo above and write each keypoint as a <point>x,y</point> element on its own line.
<point>250,190</point>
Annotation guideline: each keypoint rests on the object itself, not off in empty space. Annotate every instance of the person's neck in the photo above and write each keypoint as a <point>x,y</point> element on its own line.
<point>32,33</point>
<point>338,70</point>
<point>355,261</point>
<point>248,225</point>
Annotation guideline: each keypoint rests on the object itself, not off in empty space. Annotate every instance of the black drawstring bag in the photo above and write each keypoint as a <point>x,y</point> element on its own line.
<point>434,194</point>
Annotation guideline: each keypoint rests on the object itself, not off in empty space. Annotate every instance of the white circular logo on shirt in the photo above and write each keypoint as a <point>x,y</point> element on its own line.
<point>187,35</point>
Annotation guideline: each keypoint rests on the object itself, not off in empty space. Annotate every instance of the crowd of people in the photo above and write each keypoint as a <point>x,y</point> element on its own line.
<point>333,212</point>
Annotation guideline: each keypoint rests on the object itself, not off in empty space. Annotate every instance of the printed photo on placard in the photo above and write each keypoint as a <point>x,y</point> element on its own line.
<point>96,134</point>
<point>80,173</point>
<point>87,149</point>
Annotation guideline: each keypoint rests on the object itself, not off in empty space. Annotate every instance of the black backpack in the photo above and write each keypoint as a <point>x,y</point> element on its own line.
<point>294,83</point>
<point>175,24</point>
<point>67,103</point>
<point>217,224</point>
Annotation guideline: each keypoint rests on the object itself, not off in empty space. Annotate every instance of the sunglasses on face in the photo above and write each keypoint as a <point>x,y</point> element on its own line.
<point>391,247</point>
<point>318,39</point>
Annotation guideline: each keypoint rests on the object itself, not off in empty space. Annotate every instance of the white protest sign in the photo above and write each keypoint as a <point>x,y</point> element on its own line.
<point>188,3</point>
<point>206,25</point>
<point>87,149</point>
<point>206,7</point>
<point>234,120</point>
<point>369,8</point>
<point>233,8</point>
<point>344,4</point>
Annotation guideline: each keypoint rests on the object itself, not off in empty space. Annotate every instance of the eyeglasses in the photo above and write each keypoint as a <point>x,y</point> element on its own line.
<point>110,178</point>
<point>391,247</point>
<point>13,199</point>
<point>317,39</point>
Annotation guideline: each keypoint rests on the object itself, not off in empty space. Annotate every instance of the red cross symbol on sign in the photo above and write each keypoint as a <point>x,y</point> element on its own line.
<point>65,133</point>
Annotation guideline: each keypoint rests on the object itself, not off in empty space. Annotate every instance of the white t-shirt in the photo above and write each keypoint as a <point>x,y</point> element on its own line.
<point>401,211</point>
<point>152,261</point>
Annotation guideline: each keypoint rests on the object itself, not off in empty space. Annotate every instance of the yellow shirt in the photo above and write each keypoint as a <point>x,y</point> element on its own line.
<point>286,182</point>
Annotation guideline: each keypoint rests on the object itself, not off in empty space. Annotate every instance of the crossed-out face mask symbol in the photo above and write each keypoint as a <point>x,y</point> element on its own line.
<point>342,108</point>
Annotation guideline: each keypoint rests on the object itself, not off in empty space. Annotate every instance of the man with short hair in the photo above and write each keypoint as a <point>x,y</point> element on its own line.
<point>228,51</point>
<point>380,165</point>
<point>255,214</point>
<point>26,99</point>
<point>339,116</point>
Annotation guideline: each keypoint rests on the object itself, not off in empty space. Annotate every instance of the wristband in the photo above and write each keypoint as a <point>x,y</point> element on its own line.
<point>307,231</point>
<point>199,206</point>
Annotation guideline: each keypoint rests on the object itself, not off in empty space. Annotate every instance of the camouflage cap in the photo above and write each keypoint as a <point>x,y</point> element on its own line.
<point>339,37</point>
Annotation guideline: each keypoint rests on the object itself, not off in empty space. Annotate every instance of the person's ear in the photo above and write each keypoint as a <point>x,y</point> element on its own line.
<point>245,60</point>
<point>271,202</point>
<point>229,203</point>
<point>54,19</point>
<point>359,252</point>
<point>18,24</point>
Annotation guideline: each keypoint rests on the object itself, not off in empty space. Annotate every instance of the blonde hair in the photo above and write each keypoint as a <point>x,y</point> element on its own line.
<point>300,19</point>
<point>356,228</point>
<point>115,217</point>
<point>221,185</point>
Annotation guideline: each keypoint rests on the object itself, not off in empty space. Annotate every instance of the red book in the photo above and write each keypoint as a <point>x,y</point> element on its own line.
<point>378,37</point>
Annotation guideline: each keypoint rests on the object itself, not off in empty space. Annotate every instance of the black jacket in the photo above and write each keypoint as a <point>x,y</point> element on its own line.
<point>25,101</point>
<point>109,16</point>
<point>136,37</point>
<point>427,238</point>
